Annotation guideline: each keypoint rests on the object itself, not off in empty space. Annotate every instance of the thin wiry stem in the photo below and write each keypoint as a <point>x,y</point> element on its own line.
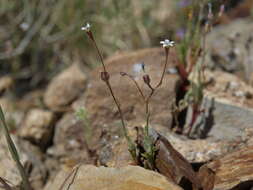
<point>5,185</point>
<point>105,78</point>
<point>203,56</point>
<point>119,109</point>
<point>98,51</point>
<point>74,171</point>
<point>73,179</point>
<point>164,68</point>
<point>153,91</point>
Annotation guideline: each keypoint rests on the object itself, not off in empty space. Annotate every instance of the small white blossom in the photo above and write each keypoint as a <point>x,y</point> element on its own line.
<point>24,26</point>
<point>167,43</point>
<point>86,28</point>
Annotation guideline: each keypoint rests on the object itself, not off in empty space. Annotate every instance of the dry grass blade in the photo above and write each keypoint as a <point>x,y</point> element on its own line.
<point>74,172</point>
<point>5,185</point>
<point>14,152</point>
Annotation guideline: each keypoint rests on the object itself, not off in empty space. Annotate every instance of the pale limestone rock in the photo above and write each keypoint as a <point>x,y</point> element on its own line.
<point>65,88</point>
<point>102,178</point>
<point>13,114</point>
<point>30,155</point>
<point>5,83</point>
<point>38,127</point>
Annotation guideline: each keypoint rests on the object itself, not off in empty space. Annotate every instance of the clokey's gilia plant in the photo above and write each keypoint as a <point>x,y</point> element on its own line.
<point>105,76</point>
<point>191,50</point>
<point>144,156</point>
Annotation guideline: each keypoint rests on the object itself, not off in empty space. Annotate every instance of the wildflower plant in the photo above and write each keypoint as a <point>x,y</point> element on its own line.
<point>105,77</point>
<point>146,158</point>
<point>191,51</point>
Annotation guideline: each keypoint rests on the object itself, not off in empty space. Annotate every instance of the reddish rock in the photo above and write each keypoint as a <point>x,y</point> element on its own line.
<point>65,88</point>
<point>99,102</point>
<point>231,170</point>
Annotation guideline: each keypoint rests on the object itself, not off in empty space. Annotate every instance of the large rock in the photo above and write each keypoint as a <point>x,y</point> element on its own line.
<point>8,168</point>
<point>29,155</point>
<point>114,148</point>
<point>232,111</point>
<point>229,88</point>
<point>230,48</point>
<point>227,123</point>
<point>99,102</point>
<point>232,171</point>
<point>64,88</point>
<point>115,152</point>
<point>69,142</point>
<point>101,178</point>
<point>6,83</point>
<point>38,127</point>
<point>13,113</point>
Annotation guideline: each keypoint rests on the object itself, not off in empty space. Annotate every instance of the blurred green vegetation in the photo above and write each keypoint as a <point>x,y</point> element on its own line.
<point>40,37</point>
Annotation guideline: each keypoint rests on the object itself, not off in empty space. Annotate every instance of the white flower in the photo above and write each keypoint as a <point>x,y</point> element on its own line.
<point>86,28</point>
<point>167,43</point>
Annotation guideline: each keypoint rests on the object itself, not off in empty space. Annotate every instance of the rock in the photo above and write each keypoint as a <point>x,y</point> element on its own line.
<point>232,171</point>
<point>65,88</point>
<point>5,83</point>
<point>232,121</point>
<point>13,113</point>
<point>230,48</point>
<point>229,88</point>
<point>227,126</point>
<point>30,100</point>
<point>102,178</point>
<point>69,142</point>
<point>198,150</point>
<point>30,157</point>
<point>8,168</point>
<point>242,9</point>
<point>38,172</point>
<point>38,127</point>
<point>114,149</point>
<point>114,153</point>
<point>232,115</point>
<point>100,105</point>
<point>171,163</point>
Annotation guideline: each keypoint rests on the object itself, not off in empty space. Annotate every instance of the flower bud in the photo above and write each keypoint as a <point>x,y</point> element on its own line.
<point>146,79</point>
<point>105,76</point>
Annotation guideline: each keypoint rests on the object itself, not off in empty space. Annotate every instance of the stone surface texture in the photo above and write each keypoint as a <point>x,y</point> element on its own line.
<point>233,169</point>
<point>99,102</point>
<point>38,127</point>
<point>65,87</point>
<point>230,48</point>
<point>29,155</point>
<point>102,178</point>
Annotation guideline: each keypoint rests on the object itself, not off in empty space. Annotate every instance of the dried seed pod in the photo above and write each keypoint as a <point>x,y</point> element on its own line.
<point>146,79</point>
<point>105,76</point>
